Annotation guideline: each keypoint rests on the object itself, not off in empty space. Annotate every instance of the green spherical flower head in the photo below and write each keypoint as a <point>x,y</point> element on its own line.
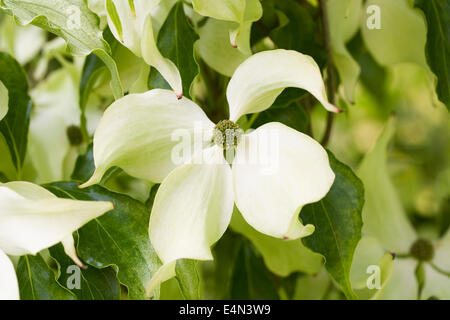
<point>422,250</point>
<point>74,135</point>
<point>227,134</point>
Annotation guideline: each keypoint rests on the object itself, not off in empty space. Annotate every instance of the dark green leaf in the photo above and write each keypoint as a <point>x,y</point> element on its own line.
<point>187,276</point>
<point>14,126</point>
<point>176,41</point>
<point>37,280</point>
<point>293,116</point>
<point>338,222</point>
<point>218,279</point>
<point>84,166</point>
<point>250,279</point>
<point>237,272</point>
<point>268,22</point>
<point>118,238</point>
<point>93,68</point>
<point>372,75</point>
<point>151,197</point>
<point>94,284</point>
<point>437,13</point>
<point>287,97</point>
<point>299,29</point>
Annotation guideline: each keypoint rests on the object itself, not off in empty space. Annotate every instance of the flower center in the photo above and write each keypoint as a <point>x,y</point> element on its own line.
<point>422,250</point>
<point>227,134</point>
<point>74,135</point>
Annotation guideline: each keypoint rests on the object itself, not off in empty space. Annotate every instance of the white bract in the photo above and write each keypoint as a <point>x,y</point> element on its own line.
<point>131,24</point>
<point>33,219</point>
<point>194,203</point>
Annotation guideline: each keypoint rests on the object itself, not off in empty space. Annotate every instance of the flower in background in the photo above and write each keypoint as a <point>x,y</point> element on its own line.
<point>131,24</point>
<point>419,267</point>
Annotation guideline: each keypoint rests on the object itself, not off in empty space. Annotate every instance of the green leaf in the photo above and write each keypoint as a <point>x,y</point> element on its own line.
<point>218,280</point>
<point>37,281</point>
<point>298,30</point>
<point>250,279</point>
<point>313,287</point>
<point>237,271</point>
<point>94,284</point>
<point>92,70</point>
<point>337,219</point>
<point>176,41</point>
<point>15,124</point>
<point>388,44</point>
<point>71,20</point>
<point>118,238</point>
<point>293,116</point>
<point>268,22</point>
<point>373,75</point>
<point>437,49</point>
<point>281,257</point>
<point>84,166</point>
<point>187,276</point>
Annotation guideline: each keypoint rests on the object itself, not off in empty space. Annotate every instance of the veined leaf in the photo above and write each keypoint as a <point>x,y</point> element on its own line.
<point>93,283</point>
<point>338,222</point>
<point>15,124</point>
<point>37,281</point>
<point>250,279</point>
<point>118,239</point>
<point>176,41</point>
<point>238,271</point>
<point>71,20</point>
<point>187,276</point>
<point>437,49</point>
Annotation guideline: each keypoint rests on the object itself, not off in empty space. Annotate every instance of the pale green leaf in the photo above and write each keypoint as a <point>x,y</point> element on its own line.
<point>71,20</point>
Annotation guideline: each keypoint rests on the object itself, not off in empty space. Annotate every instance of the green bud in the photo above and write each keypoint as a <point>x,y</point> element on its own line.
<point>74,135</point>
<point>422,250</point>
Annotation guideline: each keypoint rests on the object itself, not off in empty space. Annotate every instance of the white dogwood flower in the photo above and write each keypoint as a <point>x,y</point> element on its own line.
<point>33,219</point>
<point>194,203</point>
<point>131,24</point>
